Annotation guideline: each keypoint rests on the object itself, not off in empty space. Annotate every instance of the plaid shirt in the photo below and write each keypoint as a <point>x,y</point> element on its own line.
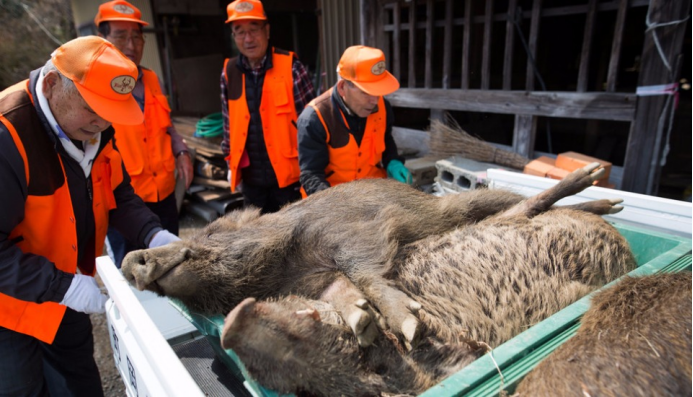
<point>303,92</point>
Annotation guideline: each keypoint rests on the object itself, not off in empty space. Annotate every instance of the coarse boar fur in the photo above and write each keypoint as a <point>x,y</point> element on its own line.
<point>351,232</point>
<point>478,285</point>
<point>635,340</point>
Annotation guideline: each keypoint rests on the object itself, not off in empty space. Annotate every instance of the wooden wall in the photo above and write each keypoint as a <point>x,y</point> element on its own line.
<point>496,56</point>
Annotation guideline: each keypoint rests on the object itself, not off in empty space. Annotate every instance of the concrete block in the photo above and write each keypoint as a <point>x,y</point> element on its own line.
<point>423,169</point>
<point>460,174</point>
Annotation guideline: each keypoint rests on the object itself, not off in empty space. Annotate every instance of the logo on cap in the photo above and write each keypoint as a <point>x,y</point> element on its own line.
<point>244,7</point>
<point>123,84</point>
<point>378,68</point>
<point>123,9</point>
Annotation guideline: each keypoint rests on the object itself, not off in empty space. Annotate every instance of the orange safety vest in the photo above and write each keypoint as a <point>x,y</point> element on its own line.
<point>48,228</point>
<point>146,148</point>
<point>278,114</point>
<point>351,161</point>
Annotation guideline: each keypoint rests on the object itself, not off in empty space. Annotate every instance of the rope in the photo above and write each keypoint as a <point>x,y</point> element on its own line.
<point>210,126</point>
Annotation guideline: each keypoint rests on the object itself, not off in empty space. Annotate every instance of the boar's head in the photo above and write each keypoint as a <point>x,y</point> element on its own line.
<point>212,271</point>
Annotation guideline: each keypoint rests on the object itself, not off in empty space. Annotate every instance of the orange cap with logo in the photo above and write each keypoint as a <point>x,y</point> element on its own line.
<point>365,67</point>
<point>240,10</point>
<point>119,10</point>
<point>103,76</point>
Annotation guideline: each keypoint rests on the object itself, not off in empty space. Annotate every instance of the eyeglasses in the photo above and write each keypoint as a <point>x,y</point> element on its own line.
<point>252,32</point>
<point>122,40</point>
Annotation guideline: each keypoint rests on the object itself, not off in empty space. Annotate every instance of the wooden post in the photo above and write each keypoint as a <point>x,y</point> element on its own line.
<point>447,45</point>
<point>524,134</point>
<point>395,41</point>
<point>642,162</point>
<point>583,71</point>
<point>428,73</point>
<point>533,36</point>
<point>486,52</point>
<point>614,60</point>
<point>412,43</point>
<point>466,43</point>
<point>509,45</point>
<point>369,22</point>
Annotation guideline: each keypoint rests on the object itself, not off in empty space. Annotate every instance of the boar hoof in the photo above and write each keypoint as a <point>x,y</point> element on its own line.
<point>362,323</point>
<point>411,332</point>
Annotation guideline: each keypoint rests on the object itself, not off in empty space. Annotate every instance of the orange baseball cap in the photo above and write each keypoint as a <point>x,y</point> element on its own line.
<point>103,76</point>
<point>119,10</point>
<point>240,10</point>
<point>365,67</point>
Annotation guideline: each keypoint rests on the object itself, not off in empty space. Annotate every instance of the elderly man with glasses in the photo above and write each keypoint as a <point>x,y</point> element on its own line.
<point>152,151</point>
<point>263,90</point>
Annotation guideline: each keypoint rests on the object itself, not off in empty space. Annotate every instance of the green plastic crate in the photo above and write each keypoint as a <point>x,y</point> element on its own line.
<point>655,252</point>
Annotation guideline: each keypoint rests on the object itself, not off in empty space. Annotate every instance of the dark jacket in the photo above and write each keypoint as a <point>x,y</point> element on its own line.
<point>313,154</point>
<point>33,278</point>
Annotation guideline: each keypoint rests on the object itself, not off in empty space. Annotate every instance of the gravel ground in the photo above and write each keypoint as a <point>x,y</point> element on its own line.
<point>113,385</point>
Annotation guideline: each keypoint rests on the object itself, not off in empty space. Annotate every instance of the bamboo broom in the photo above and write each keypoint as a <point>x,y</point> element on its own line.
<point>448,139</point>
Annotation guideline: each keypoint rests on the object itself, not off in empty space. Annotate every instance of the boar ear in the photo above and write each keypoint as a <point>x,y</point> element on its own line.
<point>312,313</point>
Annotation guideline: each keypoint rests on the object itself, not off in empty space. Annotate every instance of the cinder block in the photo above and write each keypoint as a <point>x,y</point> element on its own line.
<point>423,169</point>
<point>460,174</point>
<point>571,161</point>
<point>540,166</point>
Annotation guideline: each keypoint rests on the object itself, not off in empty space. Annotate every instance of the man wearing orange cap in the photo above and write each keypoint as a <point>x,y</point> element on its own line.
<point>262,90</point>
<point>152,150</point>
<point>345,134</point>
<point>63,182</point>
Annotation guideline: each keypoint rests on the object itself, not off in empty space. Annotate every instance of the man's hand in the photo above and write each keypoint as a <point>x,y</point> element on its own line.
<point>162,237</point>
<point>185,168</point>
<point>397,171</point>
<point>84,295</point>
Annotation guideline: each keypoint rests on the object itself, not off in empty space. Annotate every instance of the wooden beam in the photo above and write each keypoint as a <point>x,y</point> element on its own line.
<point>524,134</point>
<point>428,73</point>
<point>466,43</point>
<point>486,51</point>
<point>591,105</point>
<point>412,43</point>
<point>645,142</point>
<point>447,45</point>
<point>509,45</point>
<point>533,35</point>
<point>583,70</point>
<point>612,75</point>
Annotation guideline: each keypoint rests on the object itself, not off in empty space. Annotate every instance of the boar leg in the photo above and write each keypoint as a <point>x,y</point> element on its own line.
<point>574,183</point>
<point>350,302</point>
<point>398,309</point>
<point>598,207</point>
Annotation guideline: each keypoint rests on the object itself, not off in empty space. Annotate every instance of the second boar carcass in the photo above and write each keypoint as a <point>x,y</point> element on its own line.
<point>352,232</point>
<point>479,286</point>
<point>634,340</point>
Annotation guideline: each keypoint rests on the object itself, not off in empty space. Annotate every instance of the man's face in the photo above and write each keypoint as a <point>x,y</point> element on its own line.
<point>358,101</point>
<point>74,116</point>
<point>127,37</point>
<point>252,38</point>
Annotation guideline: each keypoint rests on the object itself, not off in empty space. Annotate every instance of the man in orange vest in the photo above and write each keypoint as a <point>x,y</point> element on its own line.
<point>262,90</point>
<point>345,134</point>
<point>152,151</point>
<point>63,182</point>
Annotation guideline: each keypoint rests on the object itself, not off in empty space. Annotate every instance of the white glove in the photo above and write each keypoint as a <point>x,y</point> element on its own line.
<point>162,237</point>
<point>84,295</point>
<point>228,176</point>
